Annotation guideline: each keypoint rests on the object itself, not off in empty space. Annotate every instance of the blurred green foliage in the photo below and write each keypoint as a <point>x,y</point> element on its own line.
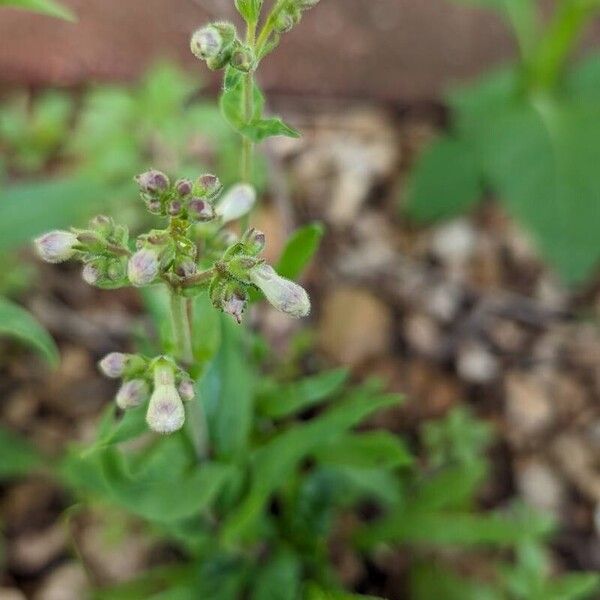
<point>529,133</point>
<point>46,7</point>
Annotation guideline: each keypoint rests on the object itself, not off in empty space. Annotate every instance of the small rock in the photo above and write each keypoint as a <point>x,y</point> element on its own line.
<point>67,582</point>
<point>476,364</point>
<point>424,335</point>
<point>454,243</point>
<point>11,594</point>
<point>541,486</point>
<point>355,326</point>
<point>529,409</point>
<point>31,552</point>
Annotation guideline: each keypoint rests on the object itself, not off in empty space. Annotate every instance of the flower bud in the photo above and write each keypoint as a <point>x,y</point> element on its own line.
<point>91,272</point>
<point>238,201</point>
<point>186,390</point>
<point>242,59</point>
<point>234,304</point>
<point>307,4</point>
<point>152,182</point>
<point>113,364</point>
<point>56,246</point>
<point>200,210</point>
<point>143,267</point>
<point>154,206</point>
<point>255,241</point>
<point>132,393</point>
<point>211,185</point>
<point>185,267</point>
<point>214,44</point>
<point>174,208</point>
<point>183,187</point>
<point>165,410</point>
<point>283,294</point>
<point>102,225</point>
<point>287,19</point>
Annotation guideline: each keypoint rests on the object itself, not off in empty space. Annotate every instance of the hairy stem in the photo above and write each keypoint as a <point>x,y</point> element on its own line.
<point>181,329</point>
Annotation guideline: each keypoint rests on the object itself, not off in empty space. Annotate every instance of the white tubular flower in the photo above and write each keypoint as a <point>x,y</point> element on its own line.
<point>132,393</point>
<point>113,364</point>
<point>90,273</point>
<point>143,267</point>
<point>56,246</point>
<point>237,202</point>
<point>165,411</point>
<point>283,294</point>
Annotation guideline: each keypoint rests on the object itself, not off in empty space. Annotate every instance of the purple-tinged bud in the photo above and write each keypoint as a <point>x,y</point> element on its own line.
<point>186,268</point>
<point>152,182</point>
<point>91,273</point>
<point>113,364</point>
<point>235,305</point>
<point>210,184</point>
<point>143,267</point>
<point>200,210</point>
<point>183,187</point>
<point>132,393</point>
<point>186,390</point>
<point>283,294</point>
<point>255,240</point>
<point>56,246</point>
<point>154,206</point>
<point>102,224</point>
<point>237,202</point>
<point>175,208</point>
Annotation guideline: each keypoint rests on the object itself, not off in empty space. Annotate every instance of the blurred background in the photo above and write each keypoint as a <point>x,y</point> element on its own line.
<point>451,150</point>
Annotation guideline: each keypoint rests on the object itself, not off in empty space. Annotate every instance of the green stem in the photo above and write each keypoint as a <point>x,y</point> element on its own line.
<point>267,29</point>
<point>247,167</point>
<point>181,329</point>
<point>558,41</point>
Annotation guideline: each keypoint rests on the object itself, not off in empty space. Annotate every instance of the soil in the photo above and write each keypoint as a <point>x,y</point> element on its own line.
<point>464,312</point>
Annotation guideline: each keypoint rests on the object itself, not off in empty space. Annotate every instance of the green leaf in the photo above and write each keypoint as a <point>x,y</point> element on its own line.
<point>227,390</point>
<point>573,586</point>
<point>255,128</point>
<point>165,497</point>
<point>445,181</point>
<point>282,400</point>
<point>279,579</point>
<point>18,456</point>
<point>373,450</point>
<point>29,209</point>
<point>249,9</point>
<point>16,322</point>
<point>299,250</point>
<point>206,330</point>
<point>276,460</point>
<point>48,7</point>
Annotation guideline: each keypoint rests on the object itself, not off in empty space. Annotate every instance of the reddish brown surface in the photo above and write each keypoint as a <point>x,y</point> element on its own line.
<point>386,49</point>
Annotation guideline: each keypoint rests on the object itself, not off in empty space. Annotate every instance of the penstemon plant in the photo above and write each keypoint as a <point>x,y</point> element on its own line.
<point>249,493</point>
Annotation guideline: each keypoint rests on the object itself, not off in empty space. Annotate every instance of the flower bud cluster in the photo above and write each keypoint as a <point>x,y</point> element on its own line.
<point>241,269</point>
<point>102,248</point>
<point>218,44</point>
<point>158,382</point>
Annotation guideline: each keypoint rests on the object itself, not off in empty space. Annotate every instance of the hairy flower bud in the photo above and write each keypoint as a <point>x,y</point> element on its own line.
<point>132,393</point>
<point>307,4</point>
<point>214,44</point>
<point>283,294</point>
<point>255,240</point>
<point>113,364</point>
<point>185,267</point>
<point>91,273</point>
<point>143,267</point>
<point>242,59</point>
<point>56,246</point>
<point>237,202</point>
<point>287,19</point>
<point>174,208</point>
<point>183,187</point>
<point>102,225</point>
<point>200,210</point>
<point>186,390</point>
<point>165,410</point>
<point>152,182</point>
<point>234,304</point>
<point>211,184</point>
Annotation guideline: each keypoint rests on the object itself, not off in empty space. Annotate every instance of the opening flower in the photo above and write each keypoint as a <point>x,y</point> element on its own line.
<point>56,246</point>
